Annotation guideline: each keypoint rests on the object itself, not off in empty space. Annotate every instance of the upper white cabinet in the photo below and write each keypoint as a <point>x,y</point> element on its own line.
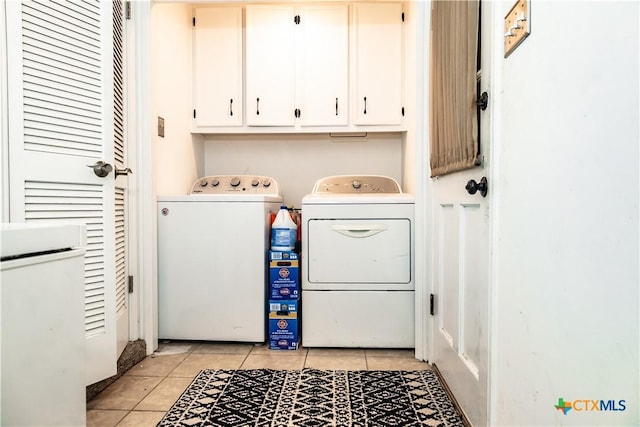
<point>378,64</point>
<point>217,66</point>
<point>323,64</point>
<point>308,67</point>
<point>270,65</point>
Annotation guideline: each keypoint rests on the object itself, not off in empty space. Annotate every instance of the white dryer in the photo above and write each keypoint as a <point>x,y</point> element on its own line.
<point>212,251</point>
<point>358,264</point>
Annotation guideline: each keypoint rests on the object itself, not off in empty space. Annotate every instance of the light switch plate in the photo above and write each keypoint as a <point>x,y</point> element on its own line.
<point>160,127</point>
<point>517,26</point>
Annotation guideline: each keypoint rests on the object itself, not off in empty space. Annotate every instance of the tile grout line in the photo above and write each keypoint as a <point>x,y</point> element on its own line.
<point>246,356</point>
<point>164,377</point>
<point>150,391</point>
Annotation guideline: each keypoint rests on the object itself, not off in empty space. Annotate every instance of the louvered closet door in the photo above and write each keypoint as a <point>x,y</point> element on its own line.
<point>60,62</point>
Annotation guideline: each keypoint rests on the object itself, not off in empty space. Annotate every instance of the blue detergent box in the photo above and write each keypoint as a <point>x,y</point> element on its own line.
<point>284,275</point>
<point>283,325</point>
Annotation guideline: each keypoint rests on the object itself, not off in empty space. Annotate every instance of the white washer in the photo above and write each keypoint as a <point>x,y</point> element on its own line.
<point>358,264</point>
<point>212,252</point>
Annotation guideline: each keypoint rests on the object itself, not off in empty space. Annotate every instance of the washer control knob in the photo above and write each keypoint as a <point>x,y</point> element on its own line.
<point>266,183</point>
<point>255,182</point>
<point>215,182</point>
<point>203,183</point>
<point>356,184</point>
<point>235,182</point>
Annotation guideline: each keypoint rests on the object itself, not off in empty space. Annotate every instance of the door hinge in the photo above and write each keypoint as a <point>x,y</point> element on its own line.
<point>296,19</point>
<point>432,305</point>
<point>130,284</point>
<point>127,10</point>
<point>194,21</point>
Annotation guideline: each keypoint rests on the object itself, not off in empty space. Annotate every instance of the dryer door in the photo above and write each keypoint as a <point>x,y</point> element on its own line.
<point>359,253</point>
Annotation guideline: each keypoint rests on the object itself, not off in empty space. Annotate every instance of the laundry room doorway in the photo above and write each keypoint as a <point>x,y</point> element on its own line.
<point>461,199</point>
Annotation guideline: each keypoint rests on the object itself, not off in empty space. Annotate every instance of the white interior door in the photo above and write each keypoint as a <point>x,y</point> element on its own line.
<point>60,73</point>
<point>461,272</point>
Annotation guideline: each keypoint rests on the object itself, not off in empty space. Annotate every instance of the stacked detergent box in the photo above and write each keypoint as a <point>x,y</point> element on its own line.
<point>284,299</point>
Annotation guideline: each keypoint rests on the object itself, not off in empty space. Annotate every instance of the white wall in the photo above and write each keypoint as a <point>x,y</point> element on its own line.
<point>412,169</point>
<point>567,281</point>
<point>297,161</point>
<point>4,120</point>
<point>178,156</point>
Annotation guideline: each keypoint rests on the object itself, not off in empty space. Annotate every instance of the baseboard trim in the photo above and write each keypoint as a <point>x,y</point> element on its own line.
<point>465,420</point>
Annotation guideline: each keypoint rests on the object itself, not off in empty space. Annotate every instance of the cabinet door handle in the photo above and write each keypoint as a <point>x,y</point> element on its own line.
<point>336,106</point>
<point>231,107</point>
<point>258,106</point>
<point>365,105</point>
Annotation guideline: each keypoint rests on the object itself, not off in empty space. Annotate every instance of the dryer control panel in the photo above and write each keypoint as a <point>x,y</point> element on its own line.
<point>357,184</point>
<point>225,184</point>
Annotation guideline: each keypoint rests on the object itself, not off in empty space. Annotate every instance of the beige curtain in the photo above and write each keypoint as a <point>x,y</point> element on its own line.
<point>453,119</point>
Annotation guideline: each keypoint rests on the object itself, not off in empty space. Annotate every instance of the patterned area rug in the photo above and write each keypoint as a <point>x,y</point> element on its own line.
<point>265,397</point>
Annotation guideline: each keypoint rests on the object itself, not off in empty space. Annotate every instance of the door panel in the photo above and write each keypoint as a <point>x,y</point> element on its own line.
<point>447,269</point>
<point>474,338</point>
<point>60,95</point>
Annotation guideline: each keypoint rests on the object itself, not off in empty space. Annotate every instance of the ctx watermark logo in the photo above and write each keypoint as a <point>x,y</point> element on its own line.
<point>581,405</point>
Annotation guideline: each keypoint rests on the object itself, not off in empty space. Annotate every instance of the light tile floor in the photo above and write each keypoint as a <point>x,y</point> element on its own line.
<point>144,393</point>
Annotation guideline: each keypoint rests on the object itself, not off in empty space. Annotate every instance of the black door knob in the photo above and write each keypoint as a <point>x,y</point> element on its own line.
<point>483,101</point>
<point>473,187</point>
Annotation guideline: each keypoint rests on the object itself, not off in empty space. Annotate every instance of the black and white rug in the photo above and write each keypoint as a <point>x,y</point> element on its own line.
<point>265,397</point>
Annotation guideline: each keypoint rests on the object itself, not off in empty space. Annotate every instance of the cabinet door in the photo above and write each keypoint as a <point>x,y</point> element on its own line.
<point>378,67</point>
<point>270,65</point>
<point>323,65</point>
<point>217,66</point>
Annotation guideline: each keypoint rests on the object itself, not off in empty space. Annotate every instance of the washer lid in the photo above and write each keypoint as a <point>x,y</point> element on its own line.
<point>356,184</point>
